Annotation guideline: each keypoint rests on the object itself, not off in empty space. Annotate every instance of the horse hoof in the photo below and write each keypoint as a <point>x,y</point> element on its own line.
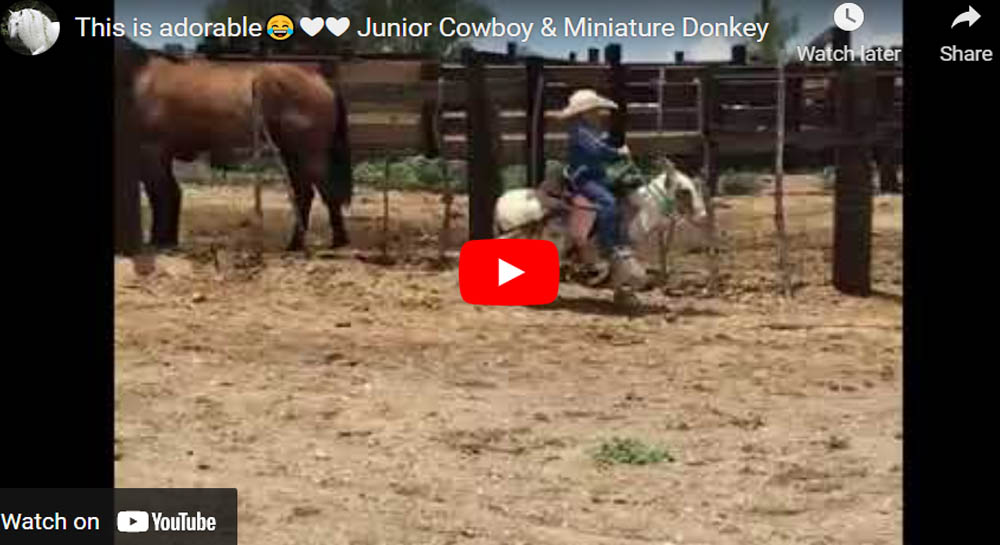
<point>164,246</point>
<point>339,242</point>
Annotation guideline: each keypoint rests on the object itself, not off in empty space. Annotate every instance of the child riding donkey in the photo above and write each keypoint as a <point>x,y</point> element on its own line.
<point>590,150</point>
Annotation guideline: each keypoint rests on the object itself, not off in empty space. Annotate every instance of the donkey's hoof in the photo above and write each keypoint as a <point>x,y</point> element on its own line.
<point>626,299</point>
<point>339,242</point>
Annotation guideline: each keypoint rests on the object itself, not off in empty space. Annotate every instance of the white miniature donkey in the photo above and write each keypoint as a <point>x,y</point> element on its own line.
<point>648,209</point>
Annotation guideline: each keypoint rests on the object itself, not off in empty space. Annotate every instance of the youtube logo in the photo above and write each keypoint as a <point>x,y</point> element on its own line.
<point>133,521</point>
<point>508,272</point>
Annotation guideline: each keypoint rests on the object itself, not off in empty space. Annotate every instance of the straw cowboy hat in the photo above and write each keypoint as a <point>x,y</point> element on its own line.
<point>585,100</point>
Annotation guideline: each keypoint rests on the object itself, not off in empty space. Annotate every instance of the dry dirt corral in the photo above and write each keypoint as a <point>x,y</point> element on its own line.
<point>358,403</point>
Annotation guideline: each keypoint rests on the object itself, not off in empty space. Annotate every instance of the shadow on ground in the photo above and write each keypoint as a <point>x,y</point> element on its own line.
<point>602,306</point>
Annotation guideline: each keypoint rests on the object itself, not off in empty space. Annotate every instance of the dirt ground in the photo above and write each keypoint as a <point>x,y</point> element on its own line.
<point>354,402</point>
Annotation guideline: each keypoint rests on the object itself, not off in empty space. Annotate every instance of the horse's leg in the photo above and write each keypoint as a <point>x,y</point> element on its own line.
<point>333,206</point>
<point>164,197</point>
<point>128,204</point>
<point>150,185</point>
<point>171,194</point>
<point>302,197</point>
<point>338,228</point>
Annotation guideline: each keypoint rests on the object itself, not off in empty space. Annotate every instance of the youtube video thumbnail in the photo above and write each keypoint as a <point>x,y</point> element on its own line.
<point>500,271</point>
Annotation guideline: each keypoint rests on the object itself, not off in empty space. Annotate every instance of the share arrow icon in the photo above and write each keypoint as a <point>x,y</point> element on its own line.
<point>970,16</point>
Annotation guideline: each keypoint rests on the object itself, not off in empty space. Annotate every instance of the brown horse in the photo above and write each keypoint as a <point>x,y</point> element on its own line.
<point>186,108</point>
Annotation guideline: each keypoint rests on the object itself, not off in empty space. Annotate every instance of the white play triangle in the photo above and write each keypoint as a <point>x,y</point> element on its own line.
<point>506,272</point>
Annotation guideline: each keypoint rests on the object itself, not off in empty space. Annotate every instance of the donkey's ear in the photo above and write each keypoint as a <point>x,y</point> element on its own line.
<point>667,164</point>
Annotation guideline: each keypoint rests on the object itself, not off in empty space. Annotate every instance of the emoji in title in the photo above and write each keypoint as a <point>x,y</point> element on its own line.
<point>280,27</point>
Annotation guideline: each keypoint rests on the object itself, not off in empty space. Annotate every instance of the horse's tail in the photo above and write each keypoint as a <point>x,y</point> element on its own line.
<point>341,176</point>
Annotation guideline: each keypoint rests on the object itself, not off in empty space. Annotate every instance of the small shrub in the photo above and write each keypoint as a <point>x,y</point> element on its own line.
<point>629,451</point>
<point>369,173</point>
<point>554,169</point>
<point>428,172</point>
<point>514,176</point>
<point>414,172</point>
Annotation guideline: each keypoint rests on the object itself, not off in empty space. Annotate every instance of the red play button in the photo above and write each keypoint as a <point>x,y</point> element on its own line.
<point>509,272</point>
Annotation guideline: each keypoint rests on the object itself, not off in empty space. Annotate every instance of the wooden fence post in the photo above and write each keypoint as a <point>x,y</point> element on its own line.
<point>852,222</point>
<point>484,180</point>
<point>784,267</point>
<point>885,150</point>
<point>429,120</point>
<point>534,125</point>
<point>738,55</point>
<point>708,87</point>
<point>663,239</point>
<point>839,39</point>
<point>661,83</point>
<point>448,198</point>
<point>793,99</point>
<point>385,208</point>
<point>619,117</point>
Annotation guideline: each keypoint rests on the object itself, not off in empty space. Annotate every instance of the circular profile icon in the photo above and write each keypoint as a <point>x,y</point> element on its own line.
<point>30,27</point>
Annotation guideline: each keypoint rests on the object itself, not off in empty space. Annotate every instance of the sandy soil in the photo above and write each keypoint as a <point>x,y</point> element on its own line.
<point>352,402</point>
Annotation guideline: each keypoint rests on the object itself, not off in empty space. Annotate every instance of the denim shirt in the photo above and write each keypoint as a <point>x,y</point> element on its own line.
<point>589,151</point>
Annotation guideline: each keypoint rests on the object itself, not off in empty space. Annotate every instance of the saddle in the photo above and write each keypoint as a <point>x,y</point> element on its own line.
<point>623,178</point>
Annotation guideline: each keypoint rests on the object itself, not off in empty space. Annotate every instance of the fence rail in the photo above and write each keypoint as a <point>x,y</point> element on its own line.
<point>662,102</point>
<point>390,100</point>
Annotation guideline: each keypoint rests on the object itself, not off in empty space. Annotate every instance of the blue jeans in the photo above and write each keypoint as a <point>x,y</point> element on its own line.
<point>609,233</point>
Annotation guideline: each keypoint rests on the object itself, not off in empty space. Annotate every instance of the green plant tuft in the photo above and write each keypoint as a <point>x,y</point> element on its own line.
<point>629,451</point>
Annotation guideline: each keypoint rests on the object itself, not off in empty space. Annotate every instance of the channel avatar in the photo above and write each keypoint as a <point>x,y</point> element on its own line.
<point>31,31</point>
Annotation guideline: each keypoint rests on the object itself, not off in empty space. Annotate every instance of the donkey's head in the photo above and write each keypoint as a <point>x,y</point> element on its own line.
<point>674,186</point>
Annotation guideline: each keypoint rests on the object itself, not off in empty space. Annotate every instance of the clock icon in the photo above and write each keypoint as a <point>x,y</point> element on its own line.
<point>849,16</point>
